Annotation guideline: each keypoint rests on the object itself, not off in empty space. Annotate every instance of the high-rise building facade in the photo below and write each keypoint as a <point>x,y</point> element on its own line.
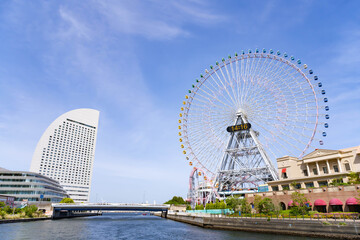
<point>66,152</point>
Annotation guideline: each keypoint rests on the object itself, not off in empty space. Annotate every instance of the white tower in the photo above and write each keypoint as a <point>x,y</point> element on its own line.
<point>66,152</point>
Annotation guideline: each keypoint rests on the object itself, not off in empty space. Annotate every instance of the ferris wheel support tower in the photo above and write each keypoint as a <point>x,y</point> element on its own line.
<point>245,162</point>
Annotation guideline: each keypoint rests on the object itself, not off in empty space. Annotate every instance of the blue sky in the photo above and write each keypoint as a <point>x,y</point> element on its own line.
<point>134,61</point>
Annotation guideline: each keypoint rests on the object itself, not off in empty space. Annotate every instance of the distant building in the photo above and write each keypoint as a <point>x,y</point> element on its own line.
<point>30,187</point>
<point>316,169</point>
<point>319,176</point>
<point>66,152</point>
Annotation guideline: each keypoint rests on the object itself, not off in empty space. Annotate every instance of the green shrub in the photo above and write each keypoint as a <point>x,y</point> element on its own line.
<point>2,214</point>
<point>7,209</point>
<point>175,201</point>
<point>209,206</point>
<point>199,207</point>
<point>264,205</point>
<point>69,200</point>
<point>17,210</point>
<point>245,206</point>
<point>233,203</point>
<point>30,210</point>
<point>220,205</point>
<point>298,207</point>
<point>2,204</point>
<point>354,178</point>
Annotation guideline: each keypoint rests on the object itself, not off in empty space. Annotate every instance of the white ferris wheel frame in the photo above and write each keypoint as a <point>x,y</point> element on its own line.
<point>217,70</point>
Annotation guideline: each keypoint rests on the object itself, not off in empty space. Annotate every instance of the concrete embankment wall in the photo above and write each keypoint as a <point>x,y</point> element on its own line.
<point>311,228</point>
<point>23,220</point>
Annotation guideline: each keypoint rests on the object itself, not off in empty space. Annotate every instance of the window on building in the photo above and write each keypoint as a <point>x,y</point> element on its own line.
<point>325,170</point>
<point>297,186</point>
<point>323,183</point>
<point>285,187</point>
<point>309,184</point>
<point>284,175</point>
<point>305,173</point>
<point>336,169</point>
<point>315,171</point>
<point>347,166</point>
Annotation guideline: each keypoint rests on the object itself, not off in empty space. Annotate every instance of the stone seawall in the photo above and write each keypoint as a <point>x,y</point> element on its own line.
<point>310,228</point>
<point>23,220</point>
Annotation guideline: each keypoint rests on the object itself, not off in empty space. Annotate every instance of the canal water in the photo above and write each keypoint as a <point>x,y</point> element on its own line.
<point>123,226</point>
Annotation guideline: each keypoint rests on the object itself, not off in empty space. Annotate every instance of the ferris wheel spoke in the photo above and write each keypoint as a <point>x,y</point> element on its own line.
<point>224,85</point>
<point>219,88</point>
<point>213,94</point>
<point>235,78</point>
<point>281,138</point>
<point>230,83</point>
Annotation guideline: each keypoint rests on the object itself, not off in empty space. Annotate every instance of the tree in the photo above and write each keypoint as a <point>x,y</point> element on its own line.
<point>209,206</point>
<point>299,204</point>
<point>220,205</point>
<point>2,214</point>
<point>354,178</point>
<point>188,207</point>
<point>67,200</point>
<point>7,209</point>
<point>233,203</point>
<point>199,207</point>
<point>176,201</point>
<point>2,204</point>
<point>257,200</point>
<point>338,182</point>
<point>245,206</point>
<point>30,210</point>
<point>264,205</point>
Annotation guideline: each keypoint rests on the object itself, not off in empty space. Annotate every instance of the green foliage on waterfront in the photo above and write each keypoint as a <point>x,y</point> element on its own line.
<point>245,206</point>
<point>338,182</point>
<point>233,203</point>
<point>216,205</point>
<point>238,204</point>
<point>67,200</point>
<point>298,206</point>
<point>176,201</point>
<point>31,211</point>
<point>263,205</point>
<point>354,178</point>
<point>199,207</point>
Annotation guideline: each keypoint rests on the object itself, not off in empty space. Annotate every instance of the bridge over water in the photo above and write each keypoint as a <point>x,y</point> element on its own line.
<point>61,210</point>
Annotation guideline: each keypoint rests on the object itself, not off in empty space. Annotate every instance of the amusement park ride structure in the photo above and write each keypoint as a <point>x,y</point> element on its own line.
<point>244,113</point>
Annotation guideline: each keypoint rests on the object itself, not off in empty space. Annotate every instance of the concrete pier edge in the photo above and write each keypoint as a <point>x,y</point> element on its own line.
<point>284,227</point>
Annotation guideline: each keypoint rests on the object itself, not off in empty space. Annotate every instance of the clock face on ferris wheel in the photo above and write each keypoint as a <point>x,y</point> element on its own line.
<point>282,99</point>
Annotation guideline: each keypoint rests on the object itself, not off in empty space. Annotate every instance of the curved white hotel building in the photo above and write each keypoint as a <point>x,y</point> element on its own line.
<point>66,152</point>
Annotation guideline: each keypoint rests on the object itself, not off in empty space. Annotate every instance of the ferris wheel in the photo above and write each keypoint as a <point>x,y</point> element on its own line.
<point>246,111</point>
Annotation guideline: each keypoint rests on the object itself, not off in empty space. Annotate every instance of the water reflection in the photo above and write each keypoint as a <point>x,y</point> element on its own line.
<point>123,226</point>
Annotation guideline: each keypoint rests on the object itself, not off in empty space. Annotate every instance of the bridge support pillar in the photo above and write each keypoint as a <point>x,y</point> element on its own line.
<point>164,214</point>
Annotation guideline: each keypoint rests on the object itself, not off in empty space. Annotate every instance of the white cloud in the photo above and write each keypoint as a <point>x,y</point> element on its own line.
<point>72,27</point>
<point>156,20</point>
